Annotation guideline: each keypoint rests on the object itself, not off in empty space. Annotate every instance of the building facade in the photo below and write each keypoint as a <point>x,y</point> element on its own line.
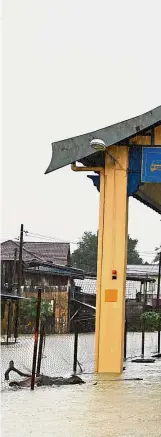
<point>44,265</point>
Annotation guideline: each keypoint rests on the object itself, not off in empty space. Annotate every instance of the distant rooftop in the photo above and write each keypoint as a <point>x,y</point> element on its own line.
<point>138,272</point>
<point>55,252</point>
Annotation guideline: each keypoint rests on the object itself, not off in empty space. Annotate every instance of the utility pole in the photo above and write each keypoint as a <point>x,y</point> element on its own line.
<point>20,262</point>
<point>19,283</point>
<point>14,272</point>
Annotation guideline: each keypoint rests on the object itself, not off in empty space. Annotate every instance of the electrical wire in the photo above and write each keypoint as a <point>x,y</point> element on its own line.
<point>57,240</point>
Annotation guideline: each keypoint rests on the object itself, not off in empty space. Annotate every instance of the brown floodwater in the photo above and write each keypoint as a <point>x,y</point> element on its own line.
<point>104,406</point>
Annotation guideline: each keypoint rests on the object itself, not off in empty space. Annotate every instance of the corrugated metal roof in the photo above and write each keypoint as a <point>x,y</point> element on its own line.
<point>79,148</point>
<point>53,251</point>
<point>40,251</point>
<point>7,252</point>
<point>88,285</point>
<point>56,270</point>
<point>151,270</point>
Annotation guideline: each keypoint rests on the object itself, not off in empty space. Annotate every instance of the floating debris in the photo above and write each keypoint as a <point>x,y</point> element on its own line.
<point>157,355</point>
<point>41,380</point>
<point>143,360</point>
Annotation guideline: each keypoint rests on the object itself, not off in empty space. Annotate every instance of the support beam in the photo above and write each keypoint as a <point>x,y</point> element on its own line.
<point>112,255</point>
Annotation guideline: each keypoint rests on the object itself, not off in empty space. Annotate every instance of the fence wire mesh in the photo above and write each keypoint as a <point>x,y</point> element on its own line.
<point>134,344</point>
<point>58,354</point>
<point>64,306</point>
<point>17,338</point>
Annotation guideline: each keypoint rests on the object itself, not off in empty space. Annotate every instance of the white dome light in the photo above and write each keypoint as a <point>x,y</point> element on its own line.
<point>98,144</point>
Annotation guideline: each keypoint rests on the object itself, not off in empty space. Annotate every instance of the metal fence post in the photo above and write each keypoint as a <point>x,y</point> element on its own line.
<point>159,338</point>
<point>125,340</point>
<point>143,326</point>
<point>142,341</point>
<point>75,351</point>
<point>38,307</point>
<point>16,320</point>
<point>9,321</point>
<point>40,349</point>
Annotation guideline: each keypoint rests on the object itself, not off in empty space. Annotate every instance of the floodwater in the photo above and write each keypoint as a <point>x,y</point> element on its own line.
<point>104,406</point>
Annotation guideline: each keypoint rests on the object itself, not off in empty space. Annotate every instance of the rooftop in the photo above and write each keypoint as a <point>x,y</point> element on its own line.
<point>77,148</point>
<point>44,257</point>
<point>137,133</point>
<point>57,253</point>
<point>55,270</point>
<point>134,273</point>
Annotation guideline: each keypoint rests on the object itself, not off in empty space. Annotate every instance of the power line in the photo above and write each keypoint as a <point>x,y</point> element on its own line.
<point>56,239</point>
<point>77,242</point>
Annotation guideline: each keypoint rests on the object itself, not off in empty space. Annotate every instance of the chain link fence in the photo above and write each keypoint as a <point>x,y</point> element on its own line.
<point>17,339</point>
<point>57,356</point>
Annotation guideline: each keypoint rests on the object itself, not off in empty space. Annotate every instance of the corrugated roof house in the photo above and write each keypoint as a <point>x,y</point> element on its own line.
<point>39,258</point>
<point>88,285</point>
<point>58,253</point>
<point>45,265</point>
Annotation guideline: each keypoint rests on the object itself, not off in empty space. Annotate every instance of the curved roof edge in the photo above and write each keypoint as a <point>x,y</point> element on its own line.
<point>74,149</point>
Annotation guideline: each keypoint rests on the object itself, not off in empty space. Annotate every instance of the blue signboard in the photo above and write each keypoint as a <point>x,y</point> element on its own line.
<point>151,164</point>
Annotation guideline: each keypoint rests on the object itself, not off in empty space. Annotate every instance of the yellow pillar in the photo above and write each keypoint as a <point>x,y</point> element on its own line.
<point>112,253</point>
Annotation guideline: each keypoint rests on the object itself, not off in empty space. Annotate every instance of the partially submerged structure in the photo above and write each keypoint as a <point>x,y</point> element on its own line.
<point>45,265</point>
<point>140,295</point>
<point>126,159</point>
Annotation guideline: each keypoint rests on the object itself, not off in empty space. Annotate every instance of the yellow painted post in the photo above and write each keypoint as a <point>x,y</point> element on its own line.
<point>99,265</point>
<point>110,305</point>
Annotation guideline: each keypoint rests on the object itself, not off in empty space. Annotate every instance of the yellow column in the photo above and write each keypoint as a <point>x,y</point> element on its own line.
<point>112,252</point>
<point>99,266</point>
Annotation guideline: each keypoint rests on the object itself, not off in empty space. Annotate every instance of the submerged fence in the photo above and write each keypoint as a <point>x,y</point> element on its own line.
<point>27,342</point>
<point>37,352</point>
<point>57,358</point>
<point>16,346</point>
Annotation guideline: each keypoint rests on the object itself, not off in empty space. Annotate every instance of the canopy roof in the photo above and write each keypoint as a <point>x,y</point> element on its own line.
<point>138,132</point>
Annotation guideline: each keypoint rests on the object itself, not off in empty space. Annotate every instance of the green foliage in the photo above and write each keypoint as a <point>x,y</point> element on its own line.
<point>151,320</point>
<point>85,256</point>
<point>132,254</point>
<point>28,310</point>
<point>156,259</point>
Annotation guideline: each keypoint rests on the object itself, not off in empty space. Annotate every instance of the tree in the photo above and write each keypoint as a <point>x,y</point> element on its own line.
<point>132,254</point>
<point>85,256</point>
<point>156,259</point>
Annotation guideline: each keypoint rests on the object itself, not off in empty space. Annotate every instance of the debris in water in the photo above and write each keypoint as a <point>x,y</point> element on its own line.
<point>143,360</point>
<point>41,380</point>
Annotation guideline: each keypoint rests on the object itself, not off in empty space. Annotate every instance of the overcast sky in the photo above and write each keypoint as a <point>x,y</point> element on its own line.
<point>70,67</point>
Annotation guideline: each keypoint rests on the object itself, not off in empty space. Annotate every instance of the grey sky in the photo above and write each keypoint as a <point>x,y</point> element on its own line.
<point>70,67</point>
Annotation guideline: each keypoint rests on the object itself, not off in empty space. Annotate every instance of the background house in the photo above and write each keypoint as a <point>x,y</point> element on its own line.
<point>134,272</point>
<point>57,253</point>
<point>136,277</point>
<point>45,264</point>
